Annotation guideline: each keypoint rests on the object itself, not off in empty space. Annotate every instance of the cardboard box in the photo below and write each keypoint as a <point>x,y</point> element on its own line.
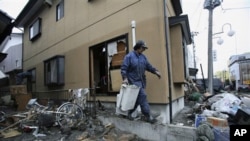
<point>116,79</point>
<point>18,89</point>
<point>119,56</point>
<point>22,100</point>
<point>121,46</point>
<point>218,122</point>
<point>116,63</point>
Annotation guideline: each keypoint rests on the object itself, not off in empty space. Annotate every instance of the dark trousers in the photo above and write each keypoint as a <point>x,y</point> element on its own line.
<point>143,102</point>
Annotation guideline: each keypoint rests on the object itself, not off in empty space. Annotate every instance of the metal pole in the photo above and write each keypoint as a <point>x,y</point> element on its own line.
<point>210,5</point>
<point>192,35</point>
<point>166,25</point>
<point>203,80</point>
<point>210,51</point>
<point>133,25</point>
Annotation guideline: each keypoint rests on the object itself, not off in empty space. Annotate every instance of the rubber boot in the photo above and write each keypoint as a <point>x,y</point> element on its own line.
<point>130,117</point>
<point>150,119</point>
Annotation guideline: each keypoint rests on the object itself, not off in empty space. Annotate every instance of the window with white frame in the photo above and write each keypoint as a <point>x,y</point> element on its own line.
<point>60,10</point>
<point>54,71</point>
<point>35,29</point>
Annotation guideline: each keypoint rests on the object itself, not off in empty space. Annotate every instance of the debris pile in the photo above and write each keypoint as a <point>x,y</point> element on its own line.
<point>214,112</point>
<point>31,125</point>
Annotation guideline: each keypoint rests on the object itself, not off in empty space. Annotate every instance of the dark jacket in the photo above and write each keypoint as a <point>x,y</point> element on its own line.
<point>133,68</point>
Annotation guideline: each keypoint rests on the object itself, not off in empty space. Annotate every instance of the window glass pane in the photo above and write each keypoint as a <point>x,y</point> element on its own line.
<point>35,29</point>
<point>47,73</point>
<point>60,10</point>
<point>53,71</point>
<point>31,32</point>
<point>33,75</point>
<point>61,70</point>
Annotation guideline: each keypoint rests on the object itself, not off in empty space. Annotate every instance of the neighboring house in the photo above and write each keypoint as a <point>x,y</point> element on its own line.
<point>81,43</point>
<point>239,70</point>
<point>12,64</point>
<point>6,26</point>
<point>8,40</point>
<point>13,48</point>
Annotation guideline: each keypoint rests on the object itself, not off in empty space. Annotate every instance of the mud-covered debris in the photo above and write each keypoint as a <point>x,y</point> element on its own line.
<point>83,136</point>
<point>127,137</point>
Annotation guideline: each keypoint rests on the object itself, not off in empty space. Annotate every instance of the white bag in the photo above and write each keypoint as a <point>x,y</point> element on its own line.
<point>129,95</point>
<point>118,106</point>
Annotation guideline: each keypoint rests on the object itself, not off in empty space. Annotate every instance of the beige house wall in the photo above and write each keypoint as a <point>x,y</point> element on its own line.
<point>86,24</point>
<point>177,54</point>
<point>177,57</point>
<point>170,9</point>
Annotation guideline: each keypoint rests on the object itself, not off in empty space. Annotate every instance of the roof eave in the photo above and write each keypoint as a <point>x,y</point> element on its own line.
<point>183,20</point>
<point>28,11</point>
<point>177,7</point>
<point>6,25</point>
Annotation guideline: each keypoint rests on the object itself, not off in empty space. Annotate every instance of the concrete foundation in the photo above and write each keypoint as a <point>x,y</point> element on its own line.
<point>152,132</point>
<point>161,110</point>
<point>160,131</point>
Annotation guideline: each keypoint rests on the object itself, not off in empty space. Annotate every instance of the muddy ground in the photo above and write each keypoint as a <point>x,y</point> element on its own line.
<point>91,129</point>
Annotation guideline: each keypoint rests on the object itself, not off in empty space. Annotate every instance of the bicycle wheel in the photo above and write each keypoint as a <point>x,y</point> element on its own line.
<point>69,115</point>
<point>2,116</point>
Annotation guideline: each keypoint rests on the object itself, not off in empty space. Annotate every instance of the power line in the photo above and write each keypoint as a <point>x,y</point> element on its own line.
<point>239,8</point>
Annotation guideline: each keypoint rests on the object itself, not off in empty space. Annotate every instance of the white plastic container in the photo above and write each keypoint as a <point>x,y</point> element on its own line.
<point>129,95</point>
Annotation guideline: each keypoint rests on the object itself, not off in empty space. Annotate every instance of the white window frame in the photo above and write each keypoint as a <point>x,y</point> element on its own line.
<point>60,10</point>
<point>35,29</point>
<point>54,71</point>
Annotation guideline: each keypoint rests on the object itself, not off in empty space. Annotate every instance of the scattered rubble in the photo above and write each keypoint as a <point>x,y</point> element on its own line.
<point>209,114</point>
<point>90,130</point>
<point>217,112</point>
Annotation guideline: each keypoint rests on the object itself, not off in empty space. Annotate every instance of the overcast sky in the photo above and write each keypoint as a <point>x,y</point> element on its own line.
<point>12,7</point>
<point>234,12</point>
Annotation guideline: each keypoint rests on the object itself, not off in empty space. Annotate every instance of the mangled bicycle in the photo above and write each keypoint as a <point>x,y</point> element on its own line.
<point>69,114</point>
<point>74,111</point>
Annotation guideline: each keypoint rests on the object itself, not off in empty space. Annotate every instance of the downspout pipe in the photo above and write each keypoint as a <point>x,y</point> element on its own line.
<point>133,25</point>
<point>168,60</point>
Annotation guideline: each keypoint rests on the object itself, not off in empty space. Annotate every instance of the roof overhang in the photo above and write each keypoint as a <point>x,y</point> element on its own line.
<point>28,11</point>
<point>177,6</point>
<point>184,22</point>
<point>6,26</point>
<point>2,56</point>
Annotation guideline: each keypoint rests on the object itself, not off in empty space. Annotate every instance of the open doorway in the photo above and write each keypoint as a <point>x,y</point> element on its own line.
<point>105,62</point>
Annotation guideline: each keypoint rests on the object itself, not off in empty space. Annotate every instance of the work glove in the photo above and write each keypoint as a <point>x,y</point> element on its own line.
<point>158,74</point>
<point>125,81</point>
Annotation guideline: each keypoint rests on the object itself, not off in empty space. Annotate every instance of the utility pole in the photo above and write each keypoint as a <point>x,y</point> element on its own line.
<point>210,5</point>
<point>192,35</point>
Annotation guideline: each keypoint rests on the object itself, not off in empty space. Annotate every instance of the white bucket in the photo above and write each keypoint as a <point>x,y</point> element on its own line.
<point>129,95</point>
<point>118,106</point>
